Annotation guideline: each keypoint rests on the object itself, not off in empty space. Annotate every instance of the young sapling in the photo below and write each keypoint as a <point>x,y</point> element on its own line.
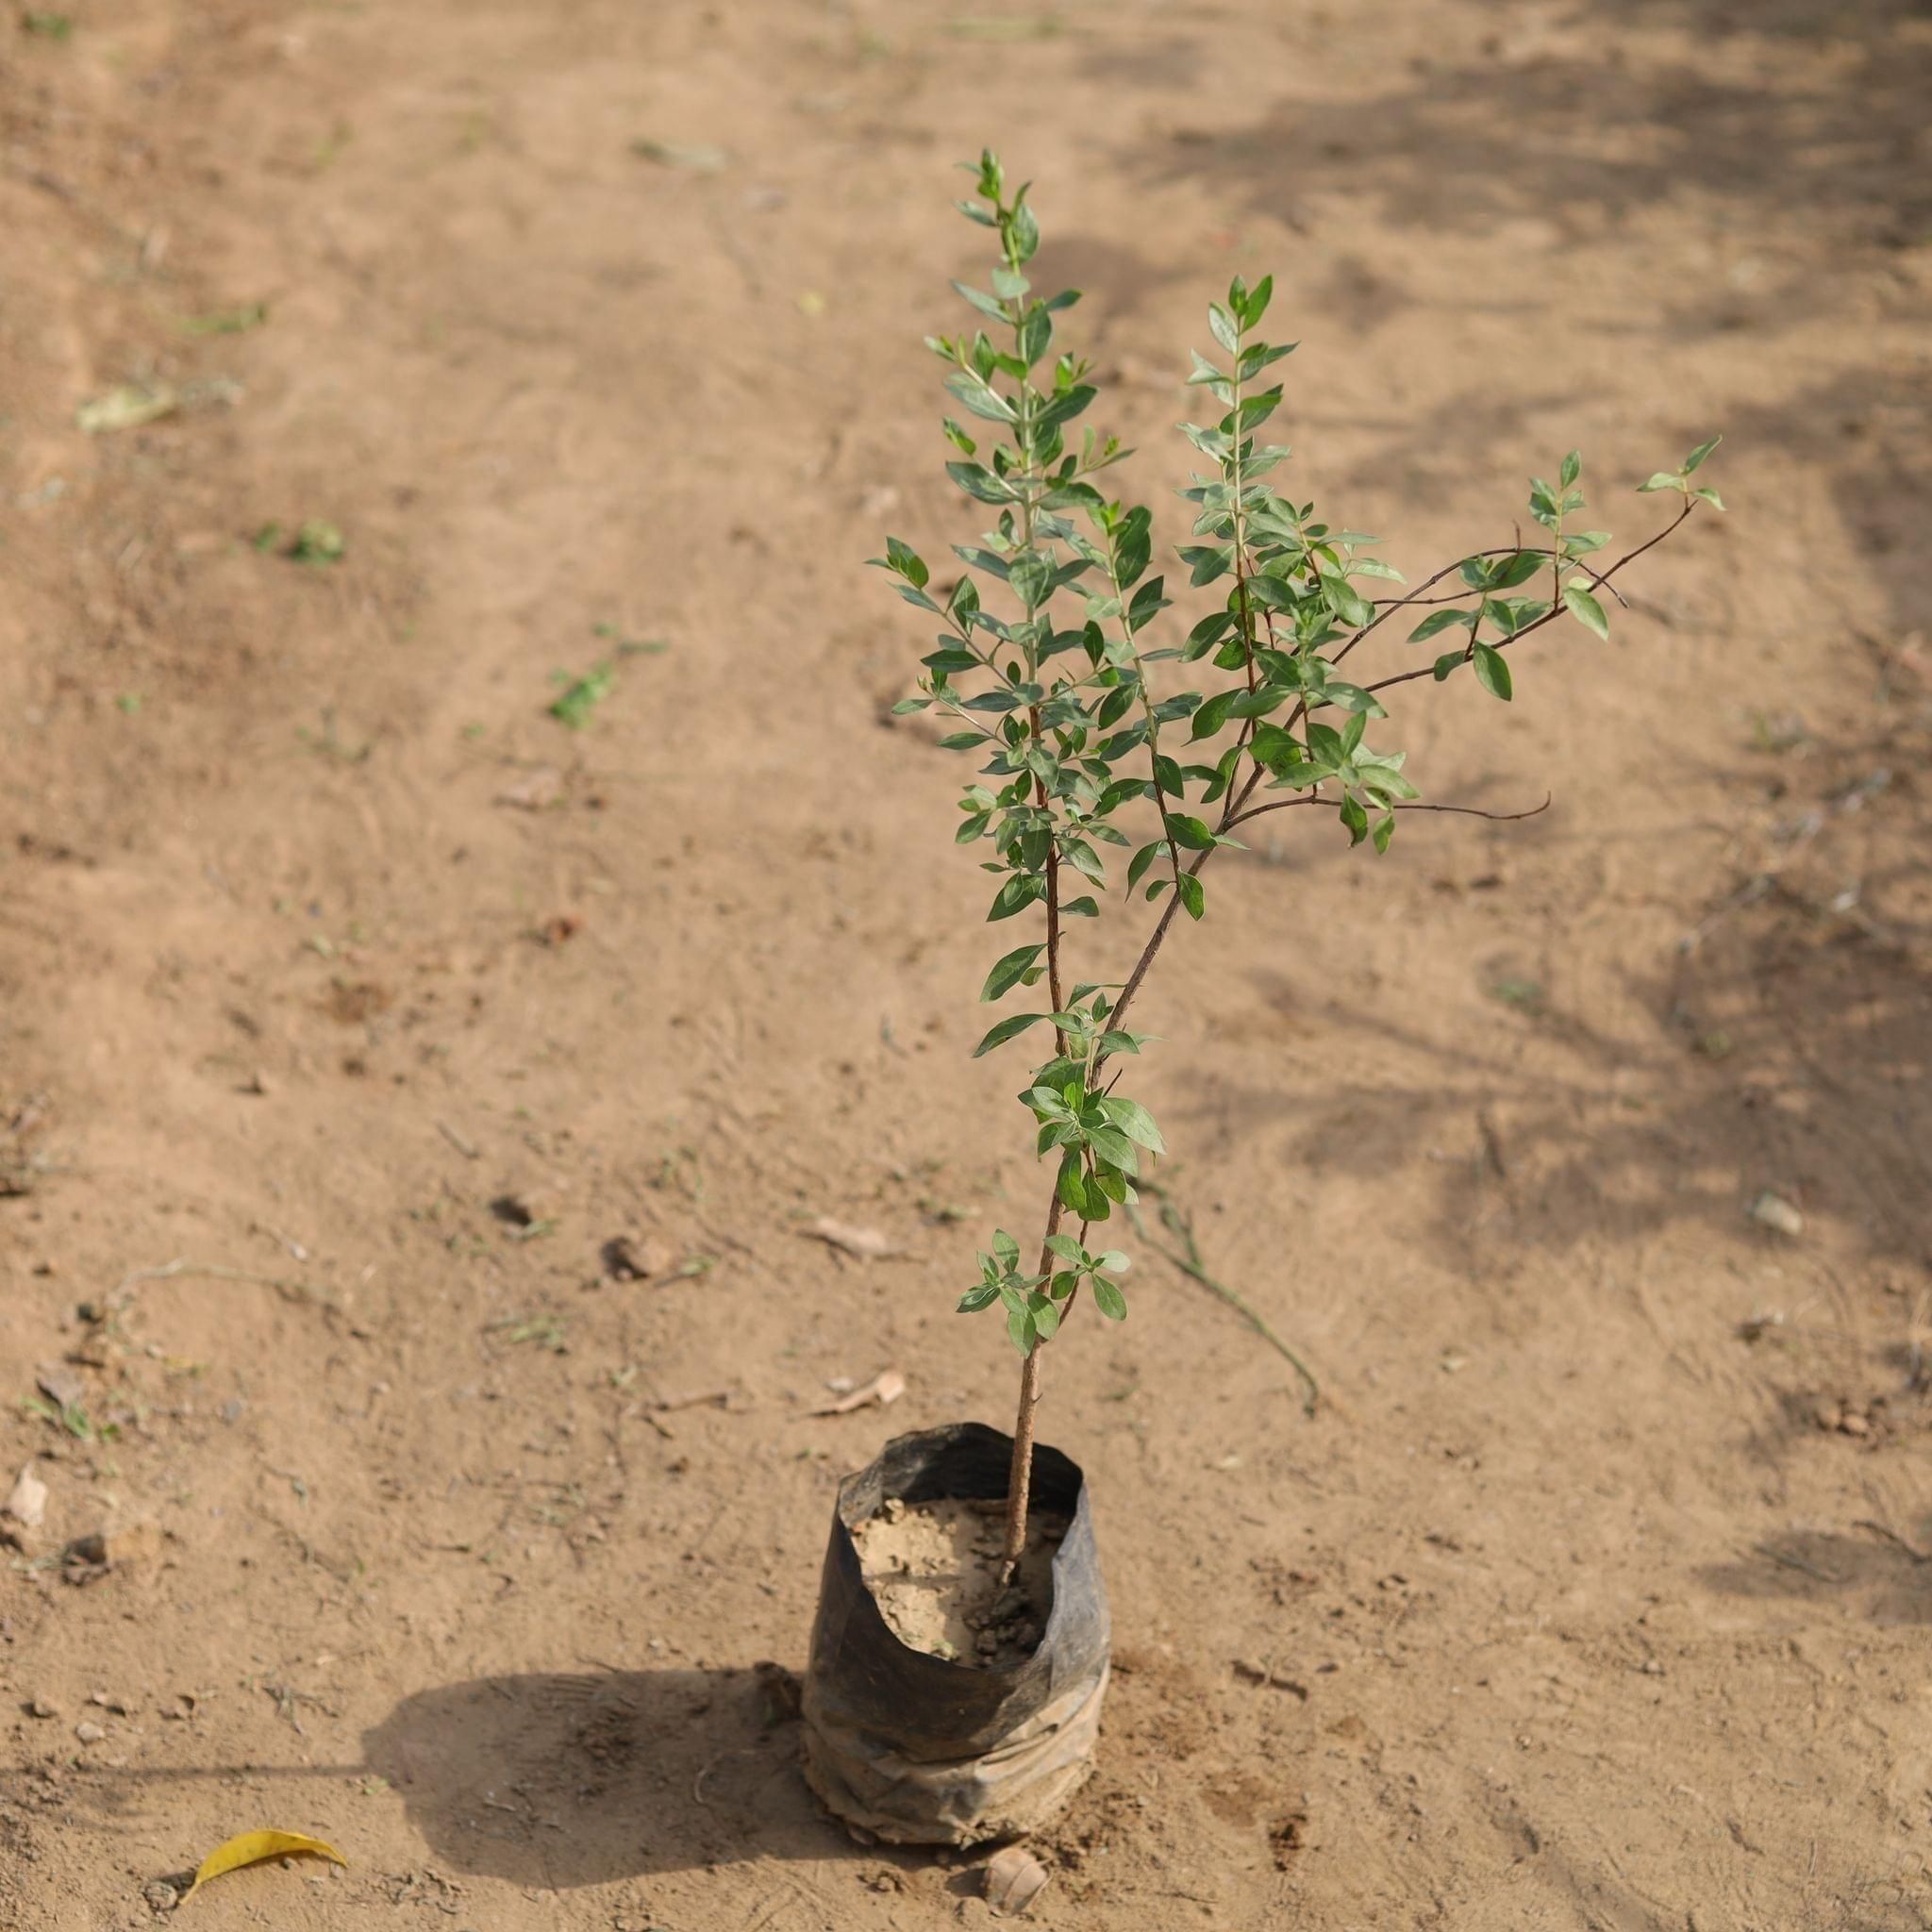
<point>1058,669</point>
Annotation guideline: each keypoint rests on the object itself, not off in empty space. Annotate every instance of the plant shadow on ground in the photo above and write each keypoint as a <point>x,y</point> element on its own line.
<point>1772,1060</point>
<point>556,1780</point>
<point>1461,144</point>
<point>1781,1048</point>
<point>1889,1581</point>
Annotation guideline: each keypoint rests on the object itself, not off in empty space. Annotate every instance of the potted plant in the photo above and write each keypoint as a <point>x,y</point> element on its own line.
<point>959,1654</point>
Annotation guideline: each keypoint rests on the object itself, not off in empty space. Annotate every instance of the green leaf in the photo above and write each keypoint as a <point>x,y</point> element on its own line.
<point>1492,671</point>
<point>1065,407</point>
<point>1205,562</point>
<point>1438,621</point>
<point>1021,1330</point>
<point>1134,1122</point>
<point>1142,861</point>
<point>1113,1147</point>
<point>1572,468</point>
<point>1351,697</point>
<point>1009,971</point>
<point>1586,609</point>
<point>1046,1317</point>
<point>1447,662</point>
<point>1662,479</point>
<point>1005,1248</point>
<point>1347,601</point>
<point>905,560</point>
<point>1355,818</point>
<point>1025,232</point>
<point>1192,895</point>
<point>1072,1185</point>
<point>1709,495</point>
<point>978,398</point>
<point>1383,831</point>
<point>977,480</point>
<point>1223,328</point>
<point>1507,572</point>
<point>1030,573</point>
<point>1108,1299</point>
<point>1189,833</point>
<point>1066,1247</point>
<point>1698,455</point>
<point>1013,1024</point>
<point>1020,891</point>
<point>983,302</point>
<point>977,1298</point>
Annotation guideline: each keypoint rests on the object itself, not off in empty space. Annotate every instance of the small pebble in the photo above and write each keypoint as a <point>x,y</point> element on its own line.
<point>1774,1212</point>
<point>89,1733</point>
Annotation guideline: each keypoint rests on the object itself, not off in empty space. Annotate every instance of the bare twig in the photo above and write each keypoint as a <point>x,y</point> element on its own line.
<point>1190,1265</point>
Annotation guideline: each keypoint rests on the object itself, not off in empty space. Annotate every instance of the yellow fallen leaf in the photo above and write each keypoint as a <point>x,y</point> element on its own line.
<point>130,407</point>
<point>251,1848</point>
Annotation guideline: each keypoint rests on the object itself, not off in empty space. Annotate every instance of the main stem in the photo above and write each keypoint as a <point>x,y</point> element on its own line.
<point>1020,1480</point>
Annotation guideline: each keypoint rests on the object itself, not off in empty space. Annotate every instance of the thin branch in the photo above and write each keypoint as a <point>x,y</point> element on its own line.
<point>1556,611</point>
<point>1468,812</point>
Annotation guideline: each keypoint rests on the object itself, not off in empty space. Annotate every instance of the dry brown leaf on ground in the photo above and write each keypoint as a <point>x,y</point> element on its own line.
<point>887,1386</point>
<point>26,1503</point>
<point>866,1243</point>
<point>252,1848</point>
<point>1014,1878</point>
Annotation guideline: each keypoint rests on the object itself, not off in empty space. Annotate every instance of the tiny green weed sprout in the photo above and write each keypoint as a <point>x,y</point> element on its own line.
<point>1100,722</point>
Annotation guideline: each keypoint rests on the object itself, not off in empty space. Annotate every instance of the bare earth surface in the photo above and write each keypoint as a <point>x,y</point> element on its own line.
<point>1599,1600</point>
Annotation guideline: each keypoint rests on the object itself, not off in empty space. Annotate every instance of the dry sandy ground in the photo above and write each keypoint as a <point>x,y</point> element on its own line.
<point>1601,1597</point>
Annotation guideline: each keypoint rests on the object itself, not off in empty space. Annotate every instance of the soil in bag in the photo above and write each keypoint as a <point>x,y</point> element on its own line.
<point>933,1570</point>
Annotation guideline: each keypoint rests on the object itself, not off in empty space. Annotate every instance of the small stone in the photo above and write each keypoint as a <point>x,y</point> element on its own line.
<point>89,1732</point>
<point>259,1083</point>
<point>60,1385</point>
<point>1774,1212</point>
<point>27,1502</point>
<point>39,1706</point>
<point>1853,1424</point>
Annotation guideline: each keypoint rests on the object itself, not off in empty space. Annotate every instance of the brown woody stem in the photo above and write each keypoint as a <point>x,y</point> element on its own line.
<point>1020,1481</point>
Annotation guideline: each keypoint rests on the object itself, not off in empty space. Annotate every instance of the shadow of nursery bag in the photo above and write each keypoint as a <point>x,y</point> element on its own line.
<point>919,1749</point>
